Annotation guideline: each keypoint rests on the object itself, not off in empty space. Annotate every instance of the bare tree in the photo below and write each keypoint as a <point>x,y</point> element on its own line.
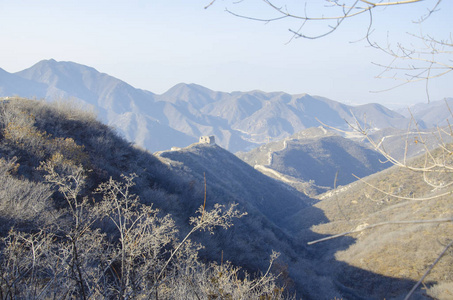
<point>426,57</point>
<point>144,239</point>
<point>330,13</point>
<point>80,245</point>
<point>148,243</point>
<point>142,258</point>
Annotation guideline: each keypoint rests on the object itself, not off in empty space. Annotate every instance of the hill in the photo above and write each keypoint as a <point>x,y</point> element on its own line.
<point>239,120</point>
<point>72,223</point>
<point>413,212</point>
<point>59,167</point>
<point>315,160</point>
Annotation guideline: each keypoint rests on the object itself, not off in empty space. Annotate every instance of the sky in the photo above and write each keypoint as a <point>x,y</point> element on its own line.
<point>156,44</point>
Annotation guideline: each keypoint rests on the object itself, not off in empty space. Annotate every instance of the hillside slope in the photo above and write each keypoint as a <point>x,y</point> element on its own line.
<point>269,203</point>
<point>398,250</point>
<point>232,178</point>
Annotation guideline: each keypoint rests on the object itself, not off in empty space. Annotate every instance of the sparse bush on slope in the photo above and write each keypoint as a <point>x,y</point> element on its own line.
<point>76,259</point>
<point>21,200</point>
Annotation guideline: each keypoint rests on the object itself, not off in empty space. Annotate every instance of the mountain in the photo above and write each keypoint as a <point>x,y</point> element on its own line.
<point>264,116</point>
<point>432,114</point>
<point>13,85</point>
<point>132,111</point>
<point>315,160</point>
<point>239,120</point>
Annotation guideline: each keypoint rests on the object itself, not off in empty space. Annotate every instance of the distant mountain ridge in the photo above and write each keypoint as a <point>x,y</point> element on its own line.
<point>239,120</point>
<point>430,114</point>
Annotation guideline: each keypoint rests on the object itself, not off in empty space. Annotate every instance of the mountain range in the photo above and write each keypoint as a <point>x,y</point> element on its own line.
<point>362,266</point>
<point>240,121</point>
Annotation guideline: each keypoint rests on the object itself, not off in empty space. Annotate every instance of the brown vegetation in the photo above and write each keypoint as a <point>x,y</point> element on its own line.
<point>71,230</point>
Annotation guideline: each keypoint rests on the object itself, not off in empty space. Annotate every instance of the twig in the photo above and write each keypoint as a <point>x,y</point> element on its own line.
<point>428,271</point>
<point>207,6</point>
<point>402,197</point>
<point>380,224</point>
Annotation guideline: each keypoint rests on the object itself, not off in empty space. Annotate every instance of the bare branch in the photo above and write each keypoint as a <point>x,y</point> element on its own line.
<point>430,12</point>
<point>362,228</point>
<point>207,6</point>
<point>428,271</point>
<point>423,64</point>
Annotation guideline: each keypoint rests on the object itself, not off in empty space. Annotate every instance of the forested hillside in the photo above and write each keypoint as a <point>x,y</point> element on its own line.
<point>86,215</point>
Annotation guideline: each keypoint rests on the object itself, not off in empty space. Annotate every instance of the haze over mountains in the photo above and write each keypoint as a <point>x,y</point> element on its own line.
<point>430,114</point>
<point>239,120</point>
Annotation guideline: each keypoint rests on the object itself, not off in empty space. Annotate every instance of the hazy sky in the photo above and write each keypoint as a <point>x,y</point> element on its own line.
<point>155,44</point>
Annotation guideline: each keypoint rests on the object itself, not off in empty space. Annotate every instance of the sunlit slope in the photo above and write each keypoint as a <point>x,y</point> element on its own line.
<point>412,230</point>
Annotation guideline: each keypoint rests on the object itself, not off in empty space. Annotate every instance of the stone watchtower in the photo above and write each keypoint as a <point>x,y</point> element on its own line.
<point>207,139</point>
